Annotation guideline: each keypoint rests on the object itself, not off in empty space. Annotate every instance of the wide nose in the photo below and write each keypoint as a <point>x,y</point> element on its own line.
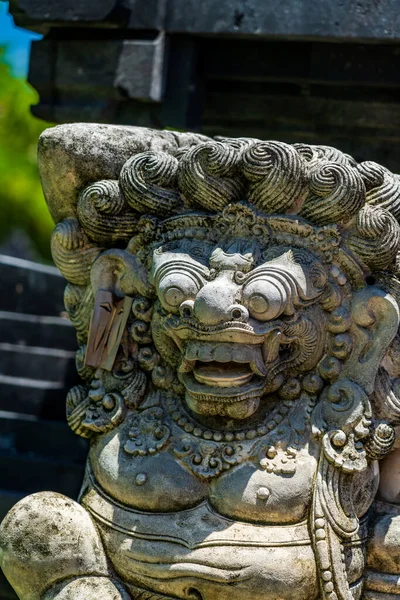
<point>216,303</point>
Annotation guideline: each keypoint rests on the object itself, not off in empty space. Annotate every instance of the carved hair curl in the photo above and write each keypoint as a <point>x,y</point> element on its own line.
<point>208,175</point>
<point>103,213</point>
<point>277,175</point>
<point>376,239</point>
<point>148,182</point>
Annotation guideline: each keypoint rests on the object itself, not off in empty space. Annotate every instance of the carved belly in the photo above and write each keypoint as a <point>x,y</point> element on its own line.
<point>198,553</point>
<point>227,572</point>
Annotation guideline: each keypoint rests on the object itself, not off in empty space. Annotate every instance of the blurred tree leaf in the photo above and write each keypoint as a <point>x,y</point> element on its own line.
<point>22,205</point>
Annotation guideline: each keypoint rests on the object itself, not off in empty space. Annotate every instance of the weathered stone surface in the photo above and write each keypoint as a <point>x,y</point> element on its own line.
<point>42,545</point>
<point>236,304</point>
<point>347,19</point>
<point>72,156</point>
<point>140,72</point>
<point>325,19</point>
<point>90,588</point>
<point>56,10</point>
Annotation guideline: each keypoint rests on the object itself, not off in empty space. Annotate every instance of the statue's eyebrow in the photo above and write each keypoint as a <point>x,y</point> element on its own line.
<point>180,264</point>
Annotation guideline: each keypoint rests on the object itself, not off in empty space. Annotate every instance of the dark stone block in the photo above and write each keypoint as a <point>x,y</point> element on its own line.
<point>27,287</point>
<point>37,330</point>
<point>118,81</point>
<point>37,363</point>
<point>67,10</point>
<point>146,14</point>
<point>301,62</point>
<point>140,70</point>
<point>308,19</point>
<point>364,20</point>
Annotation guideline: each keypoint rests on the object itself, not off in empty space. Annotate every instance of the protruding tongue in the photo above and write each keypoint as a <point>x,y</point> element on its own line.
<point>222,374</point>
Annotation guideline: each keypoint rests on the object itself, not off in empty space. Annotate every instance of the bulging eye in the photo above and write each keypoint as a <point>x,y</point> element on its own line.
<point>258,304</point>
<point>174,296</point>
<point>265,298</point>
<point>176,288</point>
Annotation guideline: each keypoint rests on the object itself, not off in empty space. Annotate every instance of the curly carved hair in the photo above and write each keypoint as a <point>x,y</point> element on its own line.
<point>318,183</point>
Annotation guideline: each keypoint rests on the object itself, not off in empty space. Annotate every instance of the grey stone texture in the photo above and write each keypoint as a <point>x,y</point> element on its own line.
<point>357,20</point>
<point>237,308</point>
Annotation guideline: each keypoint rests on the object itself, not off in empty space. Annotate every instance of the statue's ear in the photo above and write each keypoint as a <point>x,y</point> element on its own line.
<point>116,276</point>
<point>375,321</point>
<point>121,272</point>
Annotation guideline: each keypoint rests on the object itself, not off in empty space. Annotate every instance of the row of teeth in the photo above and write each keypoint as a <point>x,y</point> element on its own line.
<point>225,399</point>
<point>256,356</point>
<point>193,324</point>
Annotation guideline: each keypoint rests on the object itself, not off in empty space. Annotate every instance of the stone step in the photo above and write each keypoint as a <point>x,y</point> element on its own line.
<point>37,363</point>
<point>26,474</point>
<point>37,330</point>
<point>28,435</point>
<point>41,398</point>
<point>28,287</point>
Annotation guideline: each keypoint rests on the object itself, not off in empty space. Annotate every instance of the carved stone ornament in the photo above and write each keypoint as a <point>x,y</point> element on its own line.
<point>236,304</point>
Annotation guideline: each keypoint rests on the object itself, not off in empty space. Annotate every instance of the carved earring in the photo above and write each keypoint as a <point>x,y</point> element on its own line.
<point>107,325</point>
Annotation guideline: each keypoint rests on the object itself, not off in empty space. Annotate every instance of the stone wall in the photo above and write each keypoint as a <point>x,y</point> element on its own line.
<point>318,72</point>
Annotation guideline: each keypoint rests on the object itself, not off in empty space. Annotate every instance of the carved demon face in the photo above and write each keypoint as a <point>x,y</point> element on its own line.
<point>234,322</point>
<point>236,274</point>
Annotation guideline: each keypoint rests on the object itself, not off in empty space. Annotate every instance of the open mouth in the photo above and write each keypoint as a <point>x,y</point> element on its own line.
<point>224,372</point>
<point>227,370</point>
<point>222,375</point>
<point>222,354</point>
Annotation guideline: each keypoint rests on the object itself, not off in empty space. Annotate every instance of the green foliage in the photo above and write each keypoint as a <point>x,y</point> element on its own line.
<point>22,204</point>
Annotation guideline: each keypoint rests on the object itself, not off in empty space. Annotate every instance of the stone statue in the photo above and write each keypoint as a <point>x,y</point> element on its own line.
<point>236,304</point>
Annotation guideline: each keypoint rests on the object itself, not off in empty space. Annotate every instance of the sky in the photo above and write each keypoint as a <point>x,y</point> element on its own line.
<point>17,42</point>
